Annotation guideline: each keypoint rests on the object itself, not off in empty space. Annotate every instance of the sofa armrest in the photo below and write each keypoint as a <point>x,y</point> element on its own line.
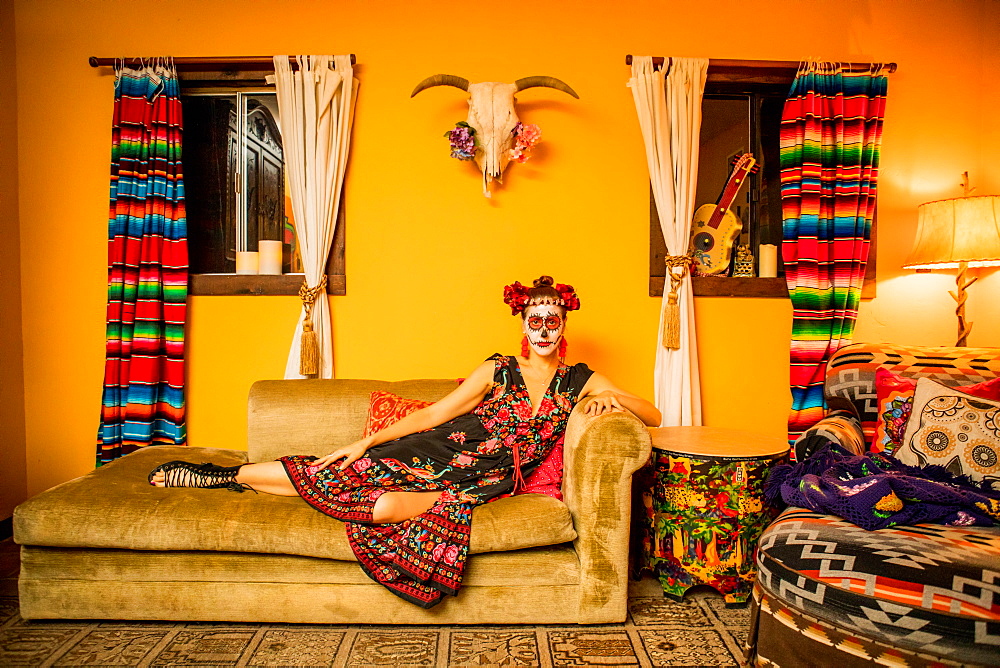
<point>601,454</point>
<point>840,427</point>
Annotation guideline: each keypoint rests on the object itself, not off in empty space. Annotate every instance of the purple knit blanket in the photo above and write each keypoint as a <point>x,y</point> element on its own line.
<point>876,491</point>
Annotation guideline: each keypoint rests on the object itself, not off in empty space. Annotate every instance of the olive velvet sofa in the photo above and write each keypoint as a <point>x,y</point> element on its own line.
<point>108,545</point>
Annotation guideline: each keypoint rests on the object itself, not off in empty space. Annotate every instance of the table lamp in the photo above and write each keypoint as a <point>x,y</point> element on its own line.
<point>958,233</point>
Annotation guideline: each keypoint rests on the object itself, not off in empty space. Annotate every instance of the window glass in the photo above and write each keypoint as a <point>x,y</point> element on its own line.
<point>234,178</point>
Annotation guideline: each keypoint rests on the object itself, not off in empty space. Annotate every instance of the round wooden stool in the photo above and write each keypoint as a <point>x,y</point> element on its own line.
<point>704,508</point>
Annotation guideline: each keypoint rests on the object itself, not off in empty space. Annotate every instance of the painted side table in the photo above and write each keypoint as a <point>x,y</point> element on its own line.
<point>704,508</point>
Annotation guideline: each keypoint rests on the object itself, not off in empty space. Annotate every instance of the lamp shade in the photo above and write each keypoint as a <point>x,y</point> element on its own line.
<point>950,231</point>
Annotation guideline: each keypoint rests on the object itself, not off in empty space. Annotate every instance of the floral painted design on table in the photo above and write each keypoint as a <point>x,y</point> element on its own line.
<point>702,521</point>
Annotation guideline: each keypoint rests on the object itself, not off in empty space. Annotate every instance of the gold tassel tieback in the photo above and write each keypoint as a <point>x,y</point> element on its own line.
<point>677,269</point>
<point>309,352</point>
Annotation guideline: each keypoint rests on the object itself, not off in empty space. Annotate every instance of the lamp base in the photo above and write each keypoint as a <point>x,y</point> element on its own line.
<point>961,283</point>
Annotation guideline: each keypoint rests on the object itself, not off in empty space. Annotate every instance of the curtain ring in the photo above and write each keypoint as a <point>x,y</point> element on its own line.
<point>669,65</point>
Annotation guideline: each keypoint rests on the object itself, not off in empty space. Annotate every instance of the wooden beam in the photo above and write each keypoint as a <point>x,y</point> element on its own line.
<point>782,68</point>
<point>204,63</point>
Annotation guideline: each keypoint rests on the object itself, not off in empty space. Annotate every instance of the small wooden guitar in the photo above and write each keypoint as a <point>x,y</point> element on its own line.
<point>715,226</point>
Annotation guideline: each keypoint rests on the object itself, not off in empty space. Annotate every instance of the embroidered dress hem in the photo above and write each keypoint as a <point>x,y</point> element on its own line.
<point>419,560</point>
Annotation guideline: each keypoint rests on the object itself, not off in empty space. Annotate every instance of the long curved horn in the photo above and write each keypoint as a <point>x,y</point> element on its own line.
<point>441,80</point>
<point>546,82</point>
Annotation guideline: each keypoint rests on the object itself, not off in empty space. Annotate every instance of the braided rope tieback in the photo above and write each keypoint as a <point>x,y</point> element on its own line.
<point>309,353</point>
<point>678,267</point>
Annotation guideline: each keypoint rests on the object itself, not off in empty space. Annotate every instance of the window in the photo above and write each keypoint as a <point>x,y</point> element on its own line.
<point>234,179</point>
<point>741,112</point>
<point>236,190</point>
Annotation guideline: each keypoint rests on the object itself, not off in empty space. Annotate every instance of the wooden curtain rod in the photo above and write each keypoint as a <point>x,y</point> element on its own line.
<point>719,65</point>
<point>207,63</point>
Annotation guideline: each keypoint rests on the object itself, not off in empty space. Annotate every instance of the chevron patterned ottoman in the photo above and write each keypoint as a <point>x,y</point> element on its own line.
<point>829,593</point>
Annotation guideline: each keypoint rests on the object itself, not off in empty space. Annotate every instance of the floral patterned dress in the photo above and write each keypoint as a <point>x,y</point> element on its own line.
<point>472,459</point>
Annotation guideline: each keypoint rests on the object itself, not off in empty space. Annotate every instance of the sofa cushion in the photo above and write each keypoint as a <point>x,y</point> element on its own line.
<point>115,507</point>
<point>929,588</point>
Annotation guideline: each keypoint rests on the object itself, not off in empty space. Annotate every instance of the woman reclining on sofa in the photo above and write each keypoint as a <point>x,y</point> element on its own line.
<point>407,491</point>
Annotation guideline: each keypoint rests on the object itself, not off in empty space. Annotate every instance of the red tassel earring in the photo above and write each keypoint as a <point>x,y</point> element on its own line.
<point>524,347</point>
<point>562,348</point>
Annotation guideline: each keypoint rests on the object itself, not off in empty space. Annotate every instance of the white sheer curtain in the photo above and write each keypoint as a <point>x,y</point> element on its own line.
<point>669,109</point>
<point>316,107</point>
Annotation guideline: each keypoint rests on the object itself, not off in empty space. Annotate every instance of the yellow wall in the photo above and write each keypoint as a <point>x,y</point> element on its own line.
<point>12,469</point>
<point>427,254</point>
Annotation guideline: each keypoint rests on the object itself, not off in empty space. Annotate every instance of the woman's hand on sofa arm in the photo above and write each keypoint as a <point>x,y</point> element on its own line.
<point>603,397</point>
<point>605,402</point>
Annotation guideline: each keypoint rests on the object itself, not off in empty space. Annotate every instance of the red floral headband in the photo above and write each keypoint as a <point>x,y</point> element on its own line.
<point>517,298</point>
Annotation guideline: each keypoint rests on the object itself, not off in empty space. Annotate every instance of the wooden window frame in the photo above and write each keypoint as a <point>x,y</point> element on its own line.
<point>728,73</point>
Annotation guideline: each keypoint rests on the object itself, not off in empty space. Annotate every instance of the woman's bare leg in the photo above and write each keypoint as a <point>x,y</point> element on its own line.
<point>394,507</point>
<point>268,477</point>
<point>271,478</point>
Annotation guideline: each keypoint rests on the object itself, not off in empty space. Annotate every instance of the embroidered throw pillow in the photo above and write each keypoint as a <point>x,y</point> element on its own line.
<point>952,429</point>
<point>895,399</point>
<point>386,408</point>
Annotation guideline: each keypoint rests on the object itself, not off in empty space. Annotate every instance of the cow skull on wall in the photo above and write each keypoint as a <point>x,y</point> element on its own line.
<point>492,116</point>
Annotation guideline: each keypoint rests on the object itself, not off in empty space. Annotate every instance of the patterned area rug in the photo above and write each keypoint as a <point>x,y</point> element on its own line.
<point>700,631</point>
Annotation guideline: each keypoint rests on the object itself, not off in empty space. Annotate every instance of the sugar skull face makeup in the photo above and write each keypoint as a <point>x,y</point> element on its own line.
<point>543,325</point>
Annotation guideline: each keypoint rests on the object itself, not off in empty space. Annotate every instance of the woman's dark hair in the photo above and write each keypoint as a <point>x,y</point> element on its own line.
<point>542,292</point>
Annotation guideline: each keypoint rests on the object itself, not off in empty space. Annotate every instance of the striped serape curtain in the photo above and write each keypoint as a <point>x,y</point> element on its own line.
<point>831,133</point>
<point>147,268</point>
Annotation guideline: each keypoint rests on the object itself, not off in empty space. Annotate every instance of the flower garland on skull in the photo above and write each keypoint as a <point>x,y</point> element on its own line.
<point>463,143</point>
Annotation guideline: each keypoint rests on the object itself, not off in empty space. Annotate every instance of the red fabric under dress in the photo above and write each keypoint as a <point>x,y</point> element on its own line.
<point>472,459</point>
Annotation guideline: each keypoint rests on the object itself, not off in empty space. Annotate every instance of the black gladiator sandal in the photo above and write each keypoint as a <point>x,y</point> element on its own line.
<point>206,476</point>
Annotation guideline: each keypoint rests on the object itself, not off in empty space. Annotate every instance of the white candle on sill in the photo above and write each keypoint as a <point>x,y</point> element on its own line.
<point>270,257</point>
<point>246,262</point>
<point>767,261</point>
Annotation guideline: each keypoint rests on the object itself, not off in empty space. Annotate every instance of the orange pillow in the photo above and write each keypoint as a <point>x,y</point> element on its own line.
<point>386,408</point>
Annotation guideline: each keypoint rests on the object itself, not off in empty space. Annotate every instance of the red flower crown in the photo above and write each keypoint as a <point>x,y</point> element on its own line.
<point>517,298</point>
